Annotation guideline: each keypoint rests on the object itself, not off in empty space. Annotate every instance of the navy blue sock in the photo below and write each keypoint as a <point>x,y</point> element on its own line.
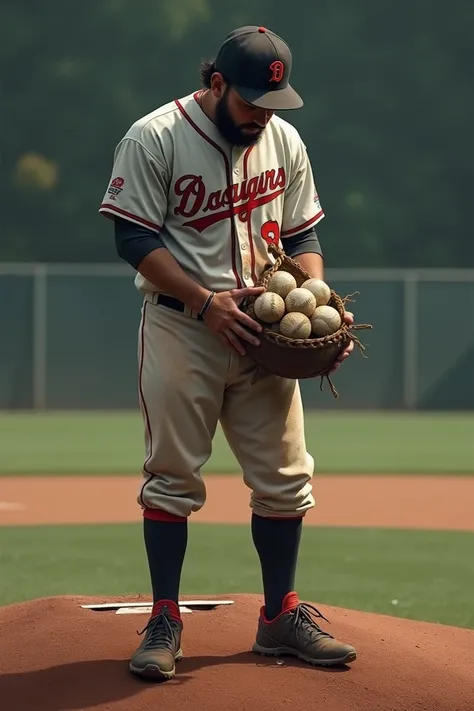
<point>165,545</point>
<point>277,542</point>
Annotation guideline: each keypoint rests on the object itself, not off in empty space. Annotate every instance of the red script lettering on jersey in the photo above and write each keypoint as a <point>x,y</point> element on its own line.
<point>251,194</point>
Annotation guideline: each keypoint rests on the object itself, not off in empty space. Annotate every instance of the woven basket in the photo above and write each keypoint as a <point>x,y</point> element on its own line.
<point>298,358</point>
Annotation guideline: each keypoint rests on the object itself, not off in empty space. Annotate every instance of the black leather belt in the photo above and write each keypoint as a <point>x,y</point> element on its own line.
<point>171,303</point>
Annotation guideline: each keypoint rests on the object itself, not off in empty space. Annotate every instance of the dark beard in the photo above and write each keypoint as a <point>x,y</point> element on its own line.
<point>228,128</point>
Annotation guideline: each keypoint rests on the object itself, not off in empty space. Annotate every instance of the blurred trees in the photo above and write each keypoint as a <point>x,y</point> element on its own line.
<point>388,116</point>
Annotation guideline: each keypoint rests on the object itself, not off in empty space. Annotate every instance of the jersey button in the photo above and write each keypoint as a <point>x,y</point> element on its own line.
<point>236,171</point>
<point>247,275</point>
<point>244,246</point>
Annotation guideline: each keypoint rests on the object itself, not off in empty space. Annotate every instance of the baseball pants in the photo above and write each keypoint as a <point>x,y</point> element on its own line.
<point>188,383</point>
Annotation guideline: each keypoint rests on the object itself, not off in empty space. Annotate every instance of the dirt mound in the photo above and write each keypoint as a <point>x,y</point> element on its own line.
<point>56,656</point>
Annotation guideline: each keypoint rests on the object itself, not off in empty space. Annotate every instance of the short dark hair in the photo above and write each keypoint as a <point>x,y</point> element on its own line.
<point>206,71</point>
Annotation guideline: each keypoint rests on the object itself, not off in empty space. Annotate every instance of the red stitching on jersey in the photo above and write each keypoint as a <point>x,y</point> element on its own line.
<point>308,223</point>
<point>113,208</point>
<point>229,184</point>
<point>249,218</point>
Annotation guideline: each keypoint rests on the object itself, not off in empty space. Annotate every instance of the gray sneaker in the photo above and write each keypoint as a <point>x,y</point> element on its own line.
<point>161,647</point>
<point>294,632</point>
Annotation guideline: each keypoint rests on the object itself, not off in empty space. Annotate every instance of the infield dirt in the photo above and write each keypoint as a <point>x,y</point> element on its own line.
<point>56,656</point>
<point>423,502</point>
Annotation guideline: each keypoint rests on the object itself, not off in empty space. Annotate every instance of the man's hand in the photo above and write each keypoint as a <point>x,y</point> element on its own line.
<point>349,319</point>
<point>224,318</point>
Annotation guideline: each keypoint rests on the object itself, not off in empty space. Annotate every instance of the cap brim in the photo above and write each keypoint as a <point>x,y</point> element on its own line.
<point>276,100</point>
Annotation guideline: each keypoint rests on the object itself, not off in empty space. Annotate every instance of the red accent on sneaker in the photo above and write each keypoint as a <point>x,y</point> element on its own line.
<point>173,609</point>
<point>290,602</point>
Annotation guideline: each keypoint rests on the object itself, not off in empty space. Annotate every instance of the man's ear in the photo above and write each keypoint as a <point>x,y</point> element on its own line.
<point>218,85</point>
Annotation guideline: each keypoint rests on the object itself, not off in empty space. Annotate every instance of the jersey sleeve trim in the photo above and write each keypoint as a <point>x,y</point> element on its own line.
<point>313,221</point>
<point>107,210</point>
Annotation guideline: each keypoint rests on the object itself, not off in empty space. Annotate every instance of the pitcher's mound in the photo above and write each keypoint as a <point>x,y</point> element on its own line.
<point>57,656</point>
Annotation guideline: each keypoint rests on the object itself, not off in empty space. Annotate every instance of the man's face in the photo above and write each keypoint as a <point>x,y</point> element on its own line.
<point>240,123</point>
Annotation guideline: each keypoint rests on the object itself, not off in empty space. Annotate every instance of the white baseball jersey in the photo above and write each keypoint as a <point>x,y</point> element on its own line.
<point>216,207</point>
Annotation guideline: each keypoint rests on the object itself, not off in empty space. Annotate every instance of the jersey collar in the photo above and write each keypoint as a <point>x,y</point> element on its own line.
<point>191,109</point>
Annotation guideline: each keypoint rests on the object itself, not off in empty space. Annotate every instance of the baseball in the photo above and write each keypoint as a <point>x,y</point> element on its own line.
<point>319,289</point>
<point>269,307</point>
<point>295,325</point>
<point>325,321</point>
<point>281,283</point>
<point>300,300</point>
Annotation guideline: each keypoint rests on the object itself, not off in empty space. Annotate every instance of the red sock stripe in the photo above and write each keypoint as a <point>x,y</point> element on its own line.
<point>159,515</point>
<point>173,609</point>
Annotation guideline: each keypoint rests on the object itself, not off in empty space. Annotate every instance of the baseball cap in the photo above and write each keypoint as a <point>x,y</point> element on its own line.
<point>257,63</point>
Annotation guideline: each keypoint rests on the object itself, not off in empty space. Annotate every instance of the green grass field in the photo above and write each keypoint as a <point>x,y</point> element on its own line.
<point>429,574</point>
<point>112,443</point>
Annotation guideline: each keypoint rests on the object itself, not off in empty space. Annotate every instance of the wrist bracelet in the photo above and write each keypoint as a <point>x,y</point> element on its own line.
<point>207,303</point>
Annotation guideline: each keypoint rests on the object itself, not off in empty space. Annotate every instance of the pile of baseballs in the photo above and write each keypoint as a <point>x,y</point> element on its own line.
<point>297,312</point>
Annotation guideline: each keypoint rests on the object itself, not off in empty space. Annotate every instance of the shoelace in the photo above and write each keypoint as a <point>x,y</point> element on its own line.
<point>304,616</point>
<point>160,632</point>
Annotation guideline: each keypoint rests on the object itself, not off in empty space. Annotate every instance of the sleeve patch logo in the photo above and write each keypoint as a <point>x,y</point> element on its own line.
<point>115,188</point>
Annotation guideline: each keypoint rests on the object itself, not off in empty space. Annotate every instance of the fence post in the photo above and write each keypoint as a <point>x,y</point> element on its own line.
<point>40,316</point>
<point>410,340</point>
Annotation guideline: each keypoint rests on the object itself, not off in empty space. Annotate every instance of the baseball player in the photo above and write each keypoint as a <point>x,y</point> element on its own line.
<point>199,188</point>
